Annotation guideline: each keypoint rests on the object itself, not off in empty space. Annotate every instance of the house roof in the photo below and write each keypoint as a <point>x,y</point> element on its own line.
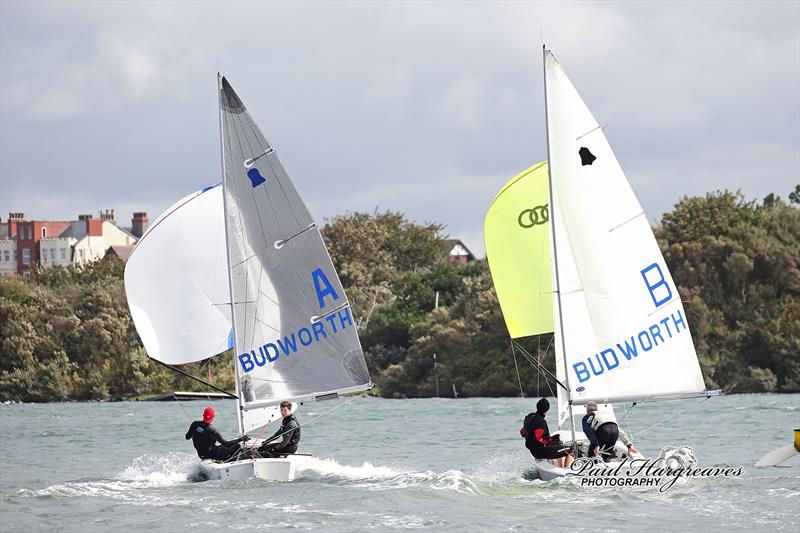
<point>121,251</point>
<point>451,246</point>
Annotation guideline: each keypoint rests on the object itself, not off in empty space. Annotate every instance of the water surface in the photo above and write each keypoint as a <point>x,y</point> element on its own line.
<point>439,464</point>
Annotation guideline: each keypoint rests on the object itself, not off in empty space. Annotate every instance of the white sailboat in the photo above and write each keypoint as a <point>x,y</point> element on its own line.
<point>571,252</point>
<point>243,265</point>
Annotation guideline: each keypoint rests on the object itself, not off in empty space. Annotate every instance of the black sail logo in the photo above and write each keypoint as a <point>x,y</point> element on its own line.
<point>587,157</point>
<point>536,216</point>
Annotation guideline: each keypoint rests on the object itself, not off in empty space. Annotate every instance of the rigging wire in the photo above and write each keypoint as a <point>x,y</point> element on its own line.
<point>274,437</point>
<point>540,368</point>
<point>174,396</point>
<point>671,417</point>
<point>516,367</point>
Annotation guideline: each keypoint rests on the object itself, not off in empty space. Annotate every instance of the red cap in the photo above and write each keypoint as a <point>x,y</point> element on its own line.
<point>208,414</point>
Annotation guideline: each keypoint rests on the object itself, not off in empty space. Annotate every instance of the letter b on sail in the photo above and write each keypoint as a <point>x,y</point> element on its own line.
<point>323,287</point>
<point>656,284</point>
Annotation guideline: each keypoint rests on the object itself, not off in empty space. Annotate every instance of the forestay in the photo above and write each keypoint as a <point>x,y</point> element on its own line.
<point>295,333</point>
<point>625,329</point>
<point>176,281</point>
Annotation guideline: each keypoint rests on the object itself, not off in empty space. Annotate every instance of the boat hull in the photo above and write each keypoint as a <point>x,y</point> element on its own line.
<point>548,471</point>
<point>279,469</point>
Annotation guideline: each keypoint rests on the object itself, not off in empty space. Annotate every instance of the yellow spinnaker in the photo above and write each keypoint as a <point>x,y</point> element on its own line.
<point>517,237</point>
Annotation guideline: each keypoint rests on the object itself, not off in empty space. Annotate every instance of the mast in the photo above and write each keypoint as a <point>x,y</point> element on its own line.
<point>555,252</point>
<point>239,412</point>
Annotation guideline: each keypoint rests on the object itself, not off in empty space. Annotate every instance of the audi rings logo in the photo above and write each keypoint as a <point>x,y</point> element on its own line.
<point>534,217</point>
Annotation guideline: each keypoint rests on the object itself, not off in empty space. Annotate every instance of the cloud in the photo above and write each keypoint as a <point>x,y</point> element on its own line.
<point>426,108</point>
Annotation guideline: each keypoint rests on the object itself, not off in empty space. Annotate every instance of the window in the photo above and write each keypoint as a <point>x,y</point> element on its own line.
<point>52,254</point>
<point>63,254</point>
<point>6,256</point>
<point>44,233</point>
<point>26,256</point>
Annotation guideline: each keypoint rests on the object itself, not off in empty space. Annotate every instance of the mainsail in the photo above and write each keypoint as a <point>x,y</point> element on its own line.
<point>244,266</point>
<point>624,327</point>
<point>621,332</point>
<point>295,334</point>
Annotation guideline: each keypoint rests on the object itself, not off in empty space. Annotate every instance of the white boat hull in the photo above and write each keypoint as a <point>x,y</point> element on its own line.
<point>279,469</point>
<point>548,471</point>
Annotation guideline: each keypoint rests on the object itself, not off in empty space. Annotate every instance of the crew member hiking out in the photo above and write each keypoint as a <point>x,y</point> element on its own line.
<point>602,430</point>
<point>538,439</point>
<point>205,438</point>
<point>289,433</point>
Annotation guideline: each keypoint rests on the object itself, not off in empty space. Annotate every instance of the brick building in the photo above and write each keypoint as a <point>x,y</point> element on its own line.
<point>24,243</point>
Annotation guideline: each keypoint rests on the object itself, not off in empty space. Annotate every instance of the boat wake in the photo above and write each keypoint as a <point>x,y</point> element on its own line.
<point>376,477</point>
<point>149,471</point>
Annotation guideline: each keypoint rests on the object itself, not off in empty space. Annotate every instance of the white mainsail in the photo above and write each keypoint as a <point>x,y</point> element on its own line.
<point>294,331</point>
<point>176,280</point>
<point>624,326</point>
<point>244,266</point>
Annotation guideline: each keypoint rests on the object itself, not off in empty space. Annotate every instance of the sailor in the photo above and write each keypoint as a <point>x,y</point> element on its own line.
<point>538,439</point>
<point>603,431</point>
<point>205,438</point>
<point>289,433</point>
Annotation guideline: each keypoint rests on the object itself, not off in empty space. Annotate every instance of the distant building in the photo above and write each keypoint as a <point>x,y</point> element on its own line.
<point>121,251</point>
<point>458,252</point>
<point>24,243</point>
<point>139,224</point>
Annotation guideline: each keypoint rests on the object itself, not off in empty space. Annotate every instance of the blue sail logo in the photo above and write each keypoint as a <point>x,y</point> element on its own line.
<point>255,176</point>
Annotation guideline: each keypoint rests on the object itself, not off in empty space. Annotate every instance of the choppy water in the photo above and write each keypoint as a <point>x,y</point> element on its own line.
<point>455,465</point>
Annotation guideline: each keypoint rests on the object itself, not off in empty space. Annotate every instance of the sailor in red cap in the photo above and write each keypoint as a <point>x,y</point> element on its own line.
<point>205,439</point>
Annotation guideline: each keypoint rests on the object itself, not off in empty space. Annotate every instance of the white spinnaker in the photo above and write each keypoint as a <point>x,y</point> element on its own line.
<point>176,281</point>
<point>611,292</point>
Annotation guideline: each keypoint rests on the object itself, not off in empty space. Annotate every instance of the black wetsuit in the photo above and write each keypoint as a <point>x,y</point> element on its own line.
<point>290,432</point>
<point>539,441</point>
<point>205,438</point>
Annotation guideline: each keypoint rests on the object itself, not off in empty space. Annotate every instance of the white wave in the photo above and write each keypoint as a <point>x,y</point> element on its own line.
<point>147,471</point>
<point>378,477</point>
<point>329,467</point>
<point>160,470</point>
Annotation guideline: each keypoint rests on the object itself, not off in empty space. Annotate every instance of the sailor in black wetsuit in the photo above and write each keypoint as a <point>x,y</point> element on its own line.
<point>289,432</point>
<point>205,438</point>
<point>538,439</point>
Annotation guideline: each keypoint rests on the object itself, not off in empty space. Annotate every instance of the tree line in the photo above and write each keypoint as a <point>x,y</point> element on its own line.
<point>66,333</point>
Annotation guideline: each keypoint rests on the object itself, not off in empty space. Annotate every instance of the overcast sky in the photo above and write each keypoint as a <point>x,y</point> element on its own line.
<point>422,108</point>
